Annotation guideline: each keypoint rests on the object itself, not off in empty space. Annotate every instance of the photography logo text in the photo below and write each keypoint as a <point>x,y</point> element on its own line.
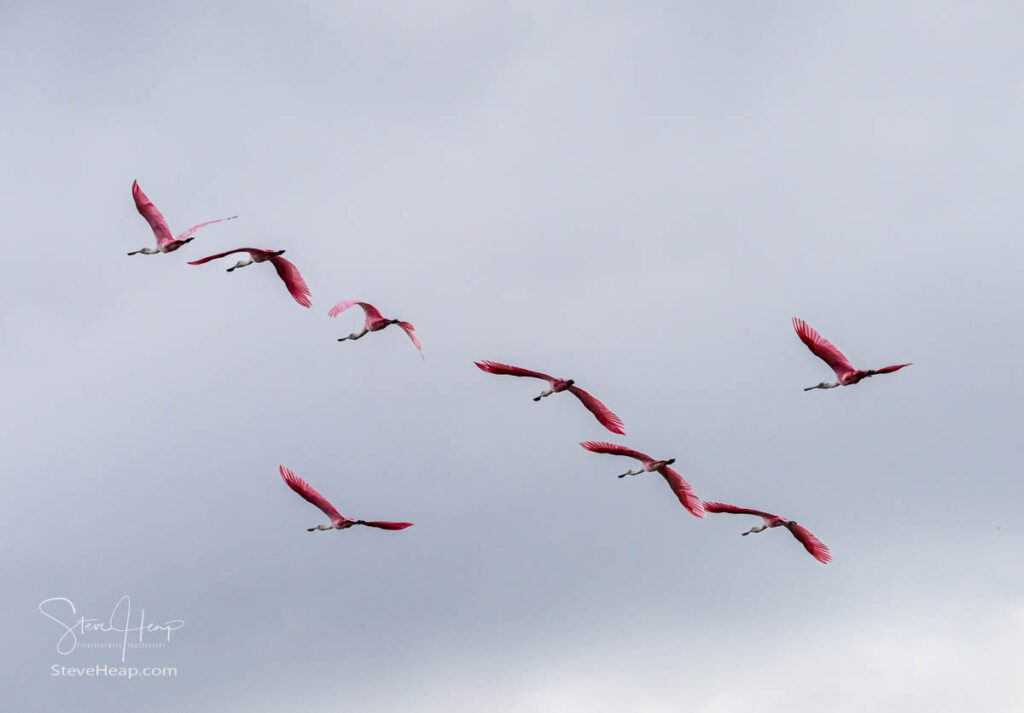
<point>123,629</point>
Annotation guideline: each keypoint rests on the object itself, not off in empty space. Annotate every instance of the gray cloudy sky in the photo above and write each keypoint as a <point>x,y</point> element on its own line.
<point>637,195</point>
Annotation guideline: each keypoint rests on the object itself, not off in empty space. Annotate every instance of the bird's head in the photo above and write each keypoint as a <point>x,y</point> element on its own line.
<point>670,461</point>
<point>275,253</point>
<point>570,382</point>
<point>790,522</point>
<point>189,239</point>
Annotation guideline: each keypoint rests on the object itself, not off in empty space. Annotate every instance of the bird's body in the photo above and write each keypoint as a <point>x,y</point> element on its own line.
<point>375,322</point>
<point>288,273</point>
<point>687,498</point>
<point>165,241</point>
<point>812,544</point>
<point>338,521</point>
<point>601,412</point>
<point>824,350</point>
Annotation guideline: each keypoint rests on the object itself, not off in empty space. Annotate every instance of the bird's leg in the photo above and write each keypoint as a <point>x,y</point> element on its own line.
<point>822,385</point>
<point>547,392</point>
<point>240,263</point>
<point>320,527</point>
<point>638,471</point>
<point>354,335</point>
<point>144,251</point>
<point>756,529</point>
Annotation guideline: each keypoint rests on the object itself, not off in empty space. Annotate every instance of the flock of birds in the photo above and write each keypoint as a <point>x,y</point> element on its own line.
<point>846,375</point>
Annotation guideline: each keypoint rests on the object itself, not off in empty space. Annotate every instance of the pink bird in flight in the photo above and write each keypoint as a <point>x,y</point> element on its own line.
<point>680,487</point>
<point>285,270</point>
<point>812,544</point>
<point>165,242</point>
<point>603,414</point>
<point>824,350</point>
<point>375,322</point>
<point>338,521</point>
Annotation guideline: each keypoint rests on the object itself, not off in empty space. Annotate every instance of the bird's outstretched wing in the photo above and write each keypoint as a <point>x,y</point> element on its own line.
<point>822,348</point>
<point>152,215</point>
<point>603,414</point>
<point>308,494</point>
<point>683,491</point>
<point>370,311</point>
<point>292,280</point>
<point>817,548</point>
<point>218,256</point>
<point>411,331</point>
<point>493,367</point>
<point>188,233</point>
<point>612,449</point>
<point>724,507</point>
<point>384,525</point>
<point>890,369</point>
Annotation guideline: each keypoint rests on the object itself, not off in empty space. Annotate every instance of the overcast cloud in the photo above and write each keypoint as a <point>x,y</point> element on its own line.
<point>636,195</point>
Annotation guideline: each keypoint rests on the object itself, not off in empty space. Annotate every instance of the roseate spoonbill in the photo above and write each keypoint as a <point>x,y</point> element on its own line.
<point>338,521</point>
<point>165,243</point>
<point>604,415</point>
<point>811,543</point>
<point>285,270</point>
<point>824,350</point>
<point>375,322</point>
<point>680,487</point>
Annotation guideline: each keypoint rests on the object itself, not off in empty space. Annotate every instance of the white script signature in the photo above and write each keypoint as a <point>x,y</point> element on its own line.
<point>120,621</point>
